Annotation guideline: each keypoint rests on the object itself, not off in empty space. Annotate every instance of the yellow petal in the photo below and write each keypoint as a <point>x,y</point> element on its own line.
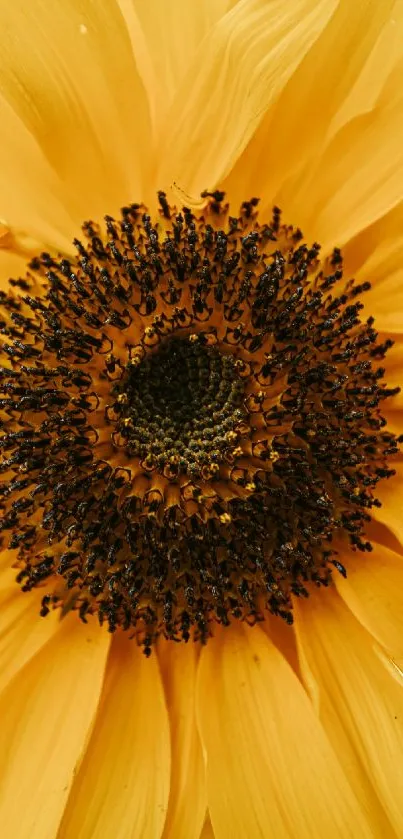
<point>187,797</point>
<point>374,252</point>
<point>382,60</point>
<point>283,636</point>
<point>207,832</point>
<point>373,591</point>
<point>389,492</point>
<point>46,712</point>
<point>295,130</point>
<point>28,185</point>
<point>376,255</point>
<point>359,701</point>
<point>22,631</point>
<point>16,251</point>
<point>385,298</point>
<point>72,80</point>
<point>165,40</point>
<point>270,769</point>
<point>11,265</point>
<point>122,784</point>
<point>357,180</point>
<point>393,367</point>
<point>238,72</point>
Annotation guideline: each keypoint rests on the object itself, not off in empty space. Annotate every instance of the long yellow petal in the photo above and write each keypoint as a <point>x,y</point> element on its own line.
<point>283,636</point>
<point>187,798</point>
<point>11,265</point>
<point>207,831</point>
<point>380,66</point>
<point>46,712</point>
<point>237,74</point>
<point>122,784</point>
<point>373,252</point>
<point>359,700</point>
<point>385,301</point>
<point>28,185</point>
<point>72,79</point>
<point>373,591</point>
<point>22,631</point>
<point>376,255</point>
<point>357,180</point>
<point>165,38</point>
<point>295,130</point>
<point>270,769</point>
<point>389,492</point>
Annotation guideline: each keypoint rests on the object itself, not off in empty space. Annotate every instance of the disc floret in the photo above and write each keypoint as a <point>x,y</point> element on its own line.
<point>191,421</point>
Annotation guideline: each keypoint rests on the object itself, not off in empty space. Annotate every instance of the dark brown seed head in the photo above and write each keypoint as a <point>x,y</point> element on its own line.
<point>190,421</point>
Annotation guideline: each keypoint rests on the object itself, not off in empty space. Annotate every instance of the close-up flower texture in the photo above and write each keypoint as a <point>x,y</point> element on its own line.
<point>201,422</point>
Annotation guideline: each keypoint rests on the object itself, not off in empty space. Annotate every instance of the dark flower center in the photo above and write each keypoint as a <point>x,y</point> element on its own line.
<point>178,408</point>
<point>190,421</point>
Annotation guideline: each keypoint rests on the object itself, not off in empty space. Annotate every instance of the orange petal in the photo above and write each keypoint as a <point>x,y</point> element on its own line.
<point>381,62</point>
<point>28,185</point>
<point>270,769</point>
<point>122,784</point>
<point>394,370</point>
<point>373,591</point>
<point>295,129</point>
<point>11,265</point>
<point>359,701</point>
<point>389,492</point>
<point>22,631</point>
<point>385,298</point>
<point>72,80</point>
<point>238,72</point>
<point>283,636</point>
<point>374,253</point>
<point>356,181</point>
<point>187,798</point>
<point>165,42</point>
<point>46,712</point>
<point>207,832</point>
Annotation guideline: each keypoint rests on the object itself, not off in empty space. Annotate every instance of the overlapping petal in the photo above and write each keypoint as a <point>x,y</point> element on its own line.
<point>165,39</point>
<point>237,74</point>
<point>271,771</point>
<point>359,701</point>
<point>71,80</point>
<point>373,591</point>
<point>294,133</point>
<point>22,631</point>
<point>46,714</point>
<point>121,786</point>
<point>187,797</point>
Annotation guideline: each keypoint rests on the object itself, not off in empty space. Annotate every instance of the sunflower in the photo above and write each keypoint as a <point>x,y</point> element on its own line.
<point>201,567</point>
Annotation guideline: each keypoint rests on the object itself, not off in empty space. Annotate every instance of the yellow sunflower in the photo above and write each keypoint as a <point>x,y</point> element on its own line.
<point>201,572</point>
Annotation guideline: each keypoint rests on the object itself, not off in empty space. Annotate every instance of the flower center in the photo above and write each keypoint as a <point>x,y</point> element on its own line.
<point>179,407</point>
<point>191,421</point>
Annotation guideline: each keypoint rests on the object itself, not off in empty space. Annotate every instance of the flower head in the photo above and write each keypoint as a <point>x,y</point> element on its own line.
<point>200,420</point>
<point>195,412</point>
